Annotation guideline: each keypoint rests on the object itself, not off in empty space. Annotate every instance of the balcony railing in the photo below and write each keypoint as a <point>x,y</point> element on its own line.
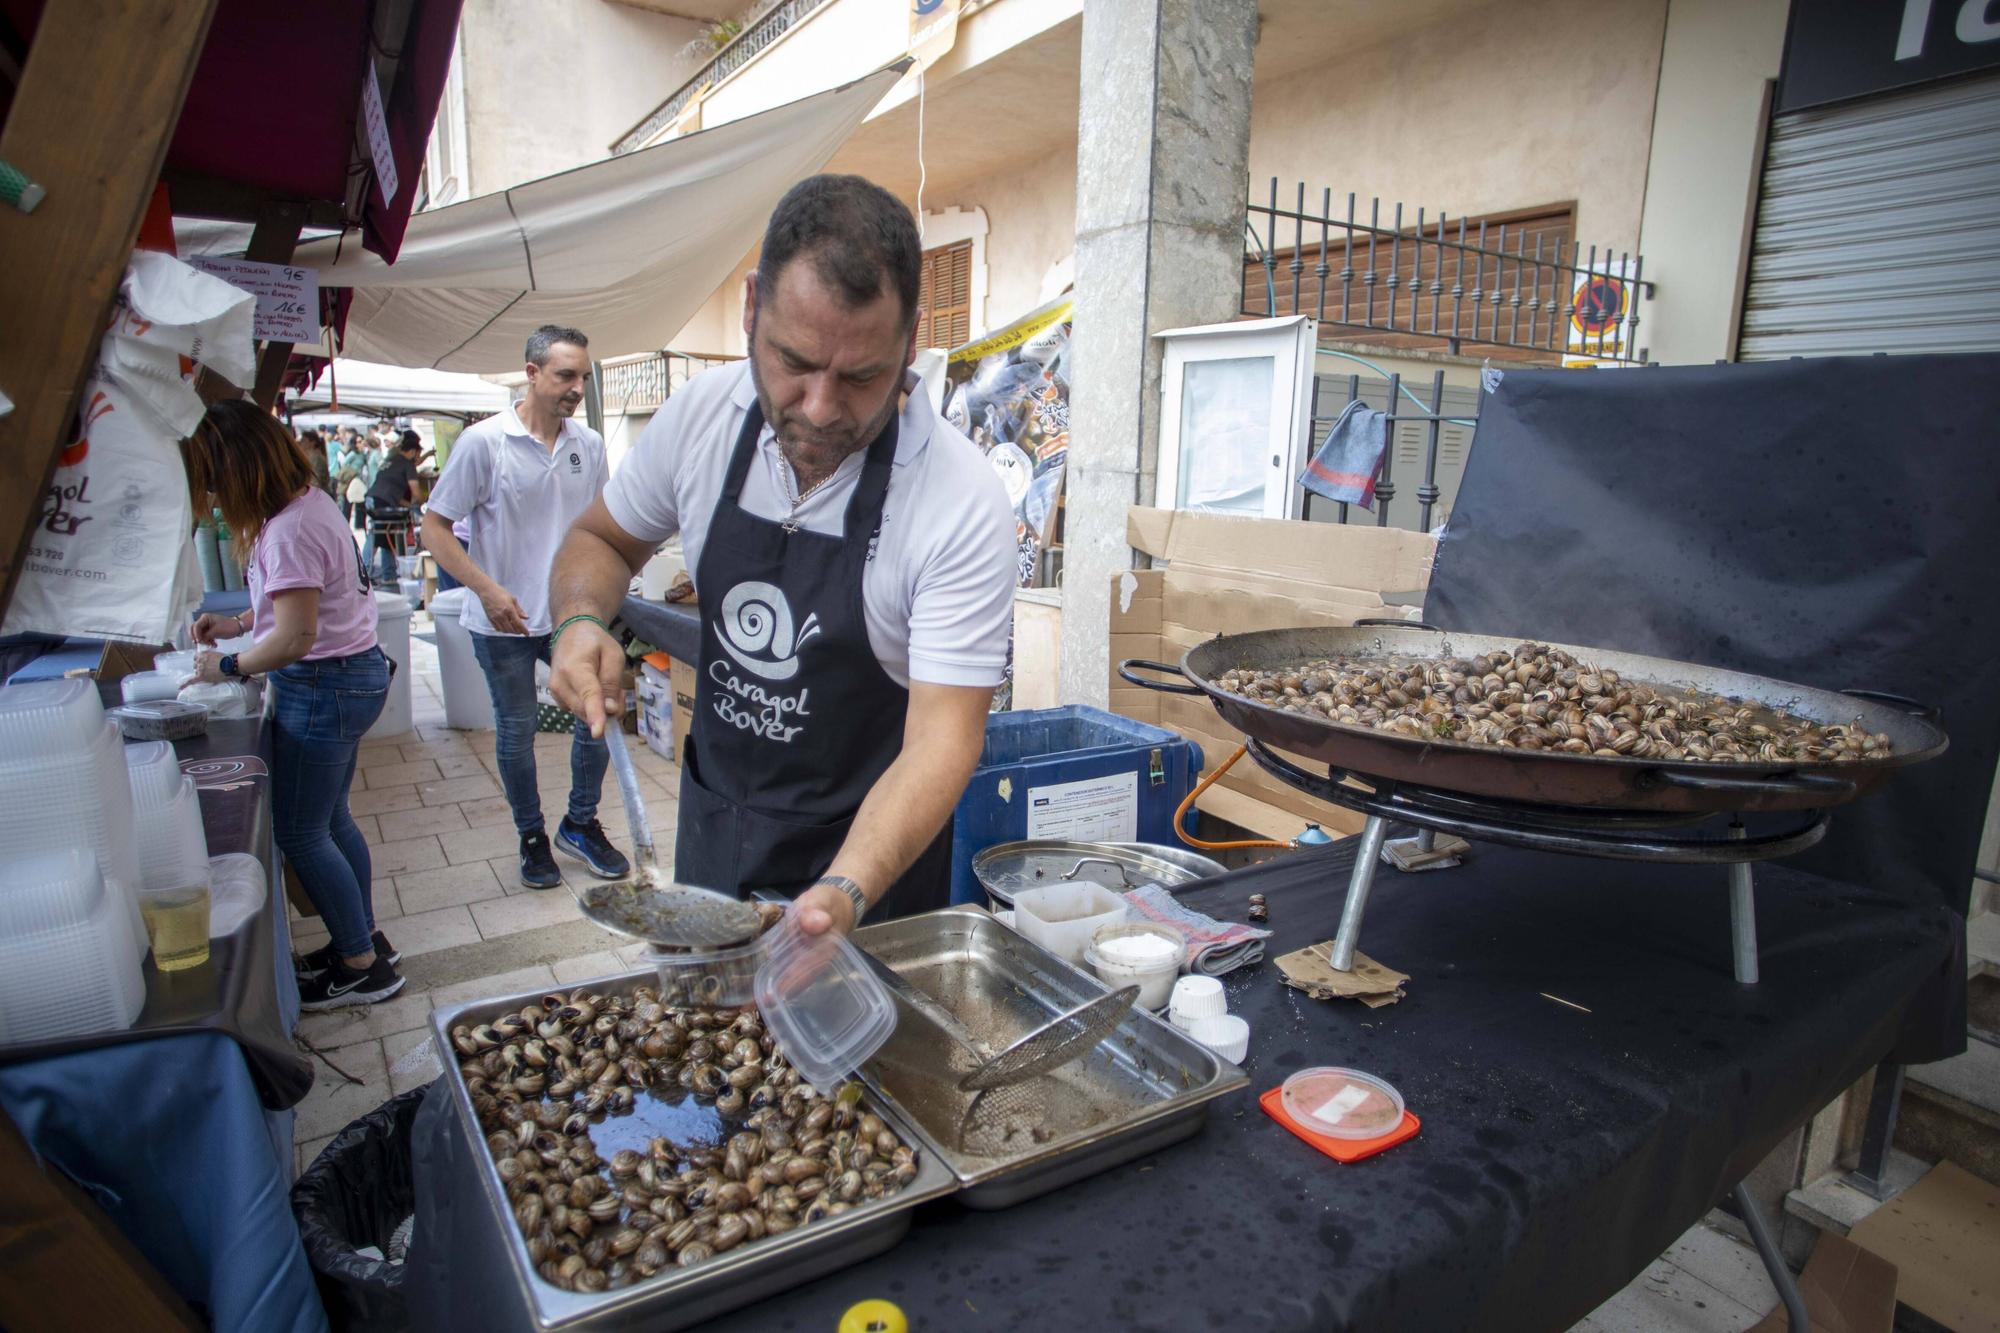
<point>765,29</point>
<point>1519,283</point>
<point>642,383</point>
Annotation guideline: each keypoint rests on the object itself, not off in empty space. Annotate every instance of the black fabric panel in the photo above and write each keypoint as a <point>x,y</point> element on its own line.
<point>1833,521</point>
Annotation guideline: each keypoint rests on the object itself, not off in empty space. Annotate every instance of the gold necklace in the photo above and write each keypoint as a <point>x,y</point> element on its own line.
<point>791,523</point>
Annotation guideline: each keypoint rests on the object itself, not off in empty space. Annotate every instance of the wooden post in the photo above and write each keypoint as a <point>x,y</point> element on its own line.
<point>97,105</point>
<point>273,241</point>
<point>63,1265</point>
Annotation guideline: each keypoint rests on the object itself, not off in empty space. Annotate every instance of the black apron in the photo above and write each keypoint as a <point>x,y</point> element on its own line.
<point>794,719</point>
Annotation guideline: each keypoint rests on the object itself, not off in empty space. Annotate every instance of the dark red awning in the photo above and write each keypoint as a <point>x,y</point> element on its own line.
<point>275,107</point>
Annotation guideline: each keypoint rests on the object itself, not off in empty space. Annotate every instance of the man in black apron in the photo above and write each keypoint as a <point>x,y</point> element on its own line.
<point>856,540</point>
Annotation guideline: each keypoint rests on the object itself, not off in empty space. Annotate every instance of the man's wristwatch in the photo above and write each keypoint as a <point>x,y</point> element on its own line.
<point>227,666</point>
<point>851,889</point>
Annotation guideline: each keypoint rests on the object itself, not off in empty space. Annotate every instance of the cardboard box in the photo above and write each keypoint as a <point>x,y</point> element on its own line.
<point>1215,575</point>
<point>683,683</point>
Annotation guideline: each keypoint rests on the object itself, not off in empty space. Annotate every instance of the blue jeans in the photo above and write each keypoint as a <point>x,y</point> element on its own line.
<point>323,710</point>
<point>509,663</point>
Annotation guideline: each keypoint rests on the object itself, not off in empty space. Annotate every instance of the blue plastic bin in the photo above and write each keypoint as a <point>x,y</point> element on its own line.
<point>1071,772</point>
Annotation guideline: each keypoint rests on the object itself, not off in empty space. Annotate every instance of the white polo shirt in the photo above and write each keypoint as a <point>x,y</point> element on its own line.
<point>938,593</point>
<point>519,500</point>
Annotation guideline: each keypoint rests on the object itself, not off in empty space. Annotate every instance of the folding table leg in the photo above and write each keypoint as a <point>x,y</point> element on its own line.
<point>1742,915</point>
<point>1366,857</point>
<point>1774,1262</point>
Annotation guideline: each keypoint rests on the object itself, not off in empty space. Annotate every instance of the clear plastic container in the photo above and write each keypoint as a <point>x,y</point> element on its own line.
<point>49,717</point>
<point>69,963</point>
<point>178,664</point>
<point>155,771</point>
<point>1342,1103</point>
<point>161,720</point>
<point>172,845</point>
<point>1063,917</point>
<point>222,699</point>
<point>413,592</point>
<point>80,799</point>
<point>823,1003</point>
<point>147,686</point>
<point>1145,954</point>
<point>725,978</point>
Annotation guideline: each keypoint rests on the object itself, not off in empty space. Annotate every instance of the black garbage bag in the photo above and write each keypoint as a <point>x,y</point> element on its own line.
<point>355,1194</point>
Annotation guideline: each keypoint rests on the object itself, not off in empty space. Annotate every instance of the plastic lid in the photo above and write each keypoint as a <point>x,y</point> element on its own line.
<point>159,709</point>
<point>823,1003</point>
<point>140,686</point>
<point>1342,1103</point>
<point>49,716</point>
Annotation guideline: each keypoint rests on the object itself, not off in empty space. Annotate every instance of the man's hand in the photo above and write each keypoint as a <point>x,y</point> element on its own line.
<point>822,908</point>
<point>212,627</point>
<point>503,610</point>
<point>587,673</point>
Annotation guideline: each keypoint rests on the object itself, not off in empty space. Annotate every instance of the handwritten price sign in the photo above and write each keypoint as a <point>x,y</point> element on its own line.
<point>287,296</point>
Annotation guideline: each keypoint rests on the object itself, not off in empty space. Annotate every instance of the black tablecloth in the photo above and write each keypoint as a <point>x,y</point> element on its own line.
<point>1561,1150</point>
<point>672,627</point>
<point>235,992</point>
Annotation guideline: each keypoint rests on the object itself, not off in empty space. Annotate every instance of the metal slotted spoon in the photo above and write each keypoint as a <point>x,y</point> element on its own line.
<point>1005,1096</point>
<point>651,907</point>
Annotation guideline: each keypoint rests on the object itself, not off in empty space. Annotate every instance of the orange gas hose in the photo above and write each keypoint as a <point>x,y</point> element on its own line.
<point>1203,786</point>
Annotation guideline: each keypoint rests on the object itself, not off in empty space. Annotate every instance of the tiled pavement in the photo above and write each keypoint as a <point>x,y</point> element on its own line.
<point>448,894</point>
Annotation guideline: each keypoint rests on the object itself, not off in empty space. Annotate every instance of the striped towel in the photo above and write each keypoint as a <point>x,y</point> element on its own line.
<point>1213,947</point>
<point>1345,465</point>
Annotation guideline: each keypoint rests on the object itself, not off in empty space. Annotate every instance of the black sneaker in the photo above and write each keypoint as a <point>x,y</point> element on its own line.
<point>320,959</point>
<point>538,866</point>
<point>587,843</point>
<point>341,985</point>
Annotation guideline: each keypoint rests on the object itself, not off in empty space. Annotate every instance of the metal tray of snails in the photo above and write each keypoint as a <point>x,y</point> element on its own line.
<point>649,1166</point>
<point>965,988</point>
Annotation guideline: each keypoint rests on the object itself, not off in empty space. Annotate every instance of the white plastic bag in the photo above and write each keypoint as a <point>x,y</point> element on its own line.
<point>109,558</point>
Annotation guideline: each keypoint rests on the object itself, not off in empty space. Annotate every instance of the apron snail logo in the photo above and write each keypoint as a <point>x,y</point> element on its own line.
<point>755,625</point>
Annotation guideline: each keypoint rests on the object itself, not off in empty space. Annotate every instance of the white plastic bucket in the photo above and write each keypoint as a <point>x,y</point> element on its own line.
<point>467,705</point>
<point>392,612</point>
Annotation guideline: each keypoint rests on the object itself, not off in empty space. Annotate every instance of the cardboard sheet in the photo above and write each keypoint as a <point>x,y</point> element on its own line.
<point>1943,1236</point>
<point>1221,575</point>
<point>1310,969</point>
<point>1847,1290</point>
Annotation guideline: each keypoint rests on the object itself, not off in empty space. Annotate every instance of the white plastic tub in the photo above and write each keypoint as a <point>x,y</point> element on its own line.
<point>467,705</point>
<point>392,631</point>
<point>1063,917</point>
<point>1138,953</point>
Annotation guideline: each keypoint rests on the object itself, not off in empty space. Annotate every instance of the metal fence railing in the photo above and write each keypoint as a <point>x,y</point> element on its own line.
<point>1519,283</point>
<point>1430,437</point>
<point>763,30</point>
<point>643,382</point>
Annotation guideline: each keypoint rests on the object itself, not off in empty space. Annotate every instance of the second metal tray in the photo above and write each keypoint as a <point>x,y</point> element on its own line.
<point>965,987</point>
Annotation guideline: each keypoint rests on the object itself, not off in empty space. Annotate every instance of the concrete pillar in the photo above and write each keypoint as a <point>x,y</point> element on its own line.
<point>1163,149</point>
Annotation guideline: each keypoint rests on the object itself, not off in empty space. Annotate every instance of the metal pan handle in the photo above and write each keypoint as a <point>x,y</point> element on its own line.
<point>1928,712</point>
<point>1124,875</point>
<point>1838,789</point>
<point>1398,624</point>
<point>1131,664</point>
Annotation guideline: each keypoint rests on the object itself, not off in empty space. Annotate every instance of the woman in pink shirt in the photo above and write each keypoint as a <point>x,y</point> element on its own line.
<point>315,623</point>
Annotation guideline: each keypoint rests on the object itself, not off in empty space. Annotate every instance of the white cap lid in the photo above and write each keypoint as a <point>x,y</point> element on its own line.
<point>1225,1034</point>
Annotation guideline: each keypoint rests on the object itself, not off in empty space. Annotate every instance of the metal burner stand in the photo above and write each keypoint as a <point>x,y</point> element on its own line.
<point>1616,835</point>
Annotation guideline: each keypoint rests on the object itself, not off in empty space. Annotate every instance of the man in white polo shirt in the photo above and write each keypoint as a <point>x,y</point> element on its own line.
<point>519,479</point>
<point>854,560</point>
